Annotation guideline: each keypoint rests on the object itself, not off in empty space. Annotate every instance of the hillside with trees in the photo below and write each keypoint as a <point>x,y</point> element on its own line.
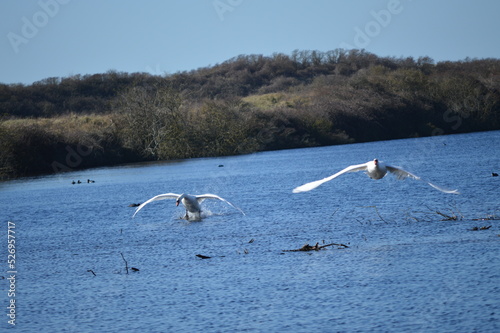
<point>246,104</point>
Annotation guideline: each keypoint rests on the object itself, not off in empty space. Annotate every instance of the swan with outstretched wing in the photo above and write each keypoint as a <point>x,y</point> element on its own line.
<point>190,202</point>
<point>375,170</point>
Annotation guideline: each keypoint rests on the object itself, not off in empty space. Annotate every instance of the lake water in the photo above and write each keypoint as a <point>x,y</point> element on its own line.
<point>405,270</point>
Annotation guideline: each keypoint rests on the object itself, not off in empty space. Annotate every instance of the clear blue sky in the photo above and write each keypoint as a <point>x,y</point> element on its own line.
<point>59,38</point>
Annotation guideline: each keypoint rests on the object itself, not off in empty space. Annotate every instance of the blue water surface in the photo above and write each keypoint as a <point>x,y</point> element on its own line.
<point>406,269</point>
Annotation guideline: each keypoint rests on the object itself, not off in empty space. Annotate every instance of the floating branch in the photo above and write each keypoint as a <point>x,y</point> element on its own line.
<point>91,271</point>
<point>126,264</point>
<point>481,228</point>
<point>447,217</point>
<point>376,211</point>
<point>316,247</point>
<point>202,256</point>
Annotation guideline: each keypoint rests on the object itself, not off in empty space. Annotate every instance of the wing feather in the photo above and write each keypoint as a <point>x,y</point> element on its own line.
<point>314,184</point>
<point>202,197</point>
<point>401,174</point>
<point>155,198</point>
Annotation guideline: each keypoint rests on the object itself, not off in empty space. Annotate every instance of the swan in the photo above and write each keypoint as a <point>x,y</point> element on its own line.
<point>375,170</point>
<point>190,202</point>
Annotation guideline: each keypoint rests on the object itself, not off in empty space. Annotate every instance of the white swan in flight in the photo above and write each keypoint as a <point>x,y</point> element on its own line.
<point>190,202</point>
<point>375,170</point>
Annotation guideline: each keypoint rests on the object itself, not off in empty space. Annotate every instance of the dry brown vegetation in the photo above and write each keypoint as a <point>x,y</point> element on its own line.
<point>246,104</point>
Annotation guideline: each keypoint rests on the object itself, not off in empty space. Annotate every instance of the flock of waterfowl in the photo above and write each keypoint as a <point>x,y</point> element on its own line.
<point>374,169</point>
<point>79,181</point>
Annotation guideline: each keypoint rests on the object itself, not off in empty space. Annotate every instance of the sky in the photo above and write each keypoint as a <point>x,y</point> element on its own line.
<point>61,38</point>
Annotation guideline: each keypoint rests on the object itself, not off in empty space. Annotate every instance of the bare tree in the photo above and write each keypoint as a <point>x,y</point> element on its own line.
<point>153,118</point>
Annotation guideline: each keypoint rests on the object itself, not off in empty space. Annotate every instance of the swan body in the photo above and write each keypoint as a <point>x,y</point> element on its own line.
<point>190,202</point>
<point>375,170</point>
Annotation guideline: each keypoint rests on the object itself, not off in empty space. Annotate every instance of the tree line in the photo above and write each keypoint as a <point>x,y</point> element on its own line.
<point>248,103</point>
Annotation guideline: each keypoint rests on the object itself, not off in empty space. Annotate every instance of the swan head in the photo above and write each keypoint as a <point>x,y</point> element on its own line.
<point>179,199</point>
<point>375,161</point>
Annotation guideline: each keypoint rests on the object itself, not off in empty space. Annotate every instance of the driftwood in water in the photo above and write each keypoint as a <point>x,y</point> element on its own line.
<point>316,247</point>
<point>447,217</point>
<point>486,227</point>
<point>126,264</point>
<point>202,256</point>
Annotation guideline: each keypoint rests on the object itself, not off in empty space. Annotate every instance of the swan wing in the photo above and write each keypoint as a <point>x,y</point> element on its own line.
<point>314,184</point>
<point>202,198</point>
<point>158,197</point>
<point>402,174</point>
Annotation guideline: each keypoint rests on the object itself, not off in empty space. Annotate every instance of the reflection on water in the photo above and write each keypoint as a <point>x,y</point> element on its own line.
<point>405,269</point>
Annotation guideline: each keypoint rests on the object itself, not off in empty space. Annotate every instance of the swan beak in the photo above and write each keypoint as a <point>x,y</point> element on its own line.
<point>177,203</point>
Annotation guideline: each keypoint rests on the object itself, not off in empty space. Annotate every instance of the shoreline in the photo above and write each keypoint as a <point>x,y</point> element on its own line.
<point>166,161</point>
